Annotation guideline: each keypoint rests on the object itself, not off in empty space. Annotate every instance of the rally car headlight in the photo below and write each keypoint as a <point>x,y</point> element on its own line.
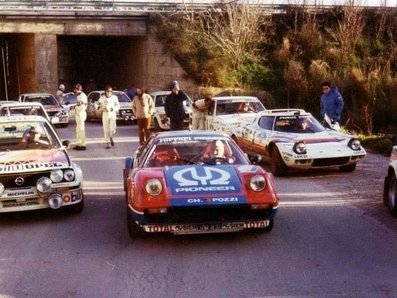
<point>154,187</point>
<point>1,188</point>
<point>299,148</point>
<point>354,144</point>
<point>56,176</point>
<point>43,184</point>
<point>69,175</point>
<point>257,183</point>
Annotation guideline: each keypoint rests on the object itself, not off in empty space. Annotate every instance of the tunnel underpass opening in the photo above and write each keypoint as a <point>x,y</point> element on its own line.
<point>108,60</point>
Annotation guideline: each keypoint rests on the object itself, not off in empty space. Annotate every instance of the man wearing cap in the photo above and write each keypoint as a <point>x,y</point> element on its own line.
<point>173,106</point>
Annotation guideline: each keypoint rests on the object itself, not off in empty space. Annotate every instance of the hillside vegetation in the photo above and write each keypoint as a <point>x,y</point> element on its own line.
<point>290,54</point>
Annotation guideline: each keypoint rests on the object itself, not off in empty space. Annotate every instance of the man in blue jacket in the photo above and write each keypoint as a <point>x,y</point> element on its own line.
<point>331,103</point>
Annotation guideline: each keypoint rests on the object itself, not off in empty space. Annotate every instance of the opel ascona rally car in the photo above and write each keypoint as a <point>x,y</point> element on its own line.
<point>35,169</point>
<point>390,185</point>
<point>295,139</point>
<point>196,182</point>
<point>228,112</point>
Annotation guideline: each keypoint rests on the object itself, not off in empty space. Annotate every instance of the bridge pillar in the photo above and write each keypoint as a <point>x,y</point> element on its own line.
<point>46,62</point>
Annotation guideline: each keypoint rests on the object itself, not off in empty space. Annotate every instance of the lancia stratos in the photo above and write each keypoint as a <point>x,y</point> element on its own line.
<point>35,169</point>
<point>294,139</point>
<point>196,182</point>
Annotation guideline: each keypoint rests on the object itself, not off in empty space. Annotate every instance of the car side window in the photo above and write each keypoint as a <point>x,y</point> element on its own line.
<point>266,122</point>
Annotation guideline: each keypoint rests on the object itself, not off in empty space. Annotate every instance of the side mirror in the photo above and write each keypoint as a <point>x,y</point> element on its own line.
<point>256,159</point>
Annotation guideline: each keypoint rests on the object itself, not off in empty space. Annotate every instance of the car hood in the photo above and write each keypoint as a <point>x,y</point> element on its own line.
<point>196,185</point>
<point>33,160</point>
<point>238,118</point>
<point>310,138</point>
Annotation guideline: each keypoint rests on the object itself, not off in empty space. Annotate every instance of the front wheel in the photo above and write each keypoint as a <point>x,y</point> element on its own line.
<point>134,230</point>
<point>277,164</point>
<point>391,195</point>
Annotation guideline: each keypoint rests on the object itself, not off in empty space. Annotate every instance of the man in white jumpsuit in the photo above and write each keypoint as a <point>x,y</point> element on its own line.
<point>199,112</point>
<point>109,105</point>
<point>81,116</point>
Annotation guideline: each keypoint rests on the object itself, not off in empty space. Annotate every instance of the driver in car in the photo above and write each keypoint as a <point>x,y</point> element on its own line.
<point>32,137</point>
<point>217,154</point>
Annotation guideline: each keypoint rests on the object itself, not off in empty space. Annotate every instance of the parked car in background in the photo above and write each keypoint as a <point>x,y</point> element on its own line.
<point>185,182</point>
<point>51,105</point>
<point>160,120</point>
<point>390,184</point>
<point>36,171</point>
<point>69,101</point>
<point>8,108</point>
<point>294,139</point>
<point>125,112</point>
<point>228,112</point>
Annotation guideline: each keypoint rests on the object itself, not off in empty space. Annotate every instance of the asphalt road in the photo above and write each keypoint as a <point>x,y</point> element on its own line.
<point>332,238</point>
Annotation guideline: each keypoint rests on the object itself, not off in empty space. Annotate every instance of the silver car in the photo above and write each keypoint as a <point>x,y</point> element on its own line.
<point>125,112</point>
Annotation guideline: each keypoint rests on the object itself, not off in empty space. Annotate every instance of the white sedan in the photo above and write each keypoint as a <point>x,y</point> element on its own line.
<point>390,185</point>
<point>295,139</point>
<point>228,112</point>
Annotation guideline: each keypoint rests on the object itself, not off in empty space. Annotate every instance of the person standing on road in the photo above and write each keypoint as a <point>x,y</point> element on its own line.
<point>174,108</point>
<point>81,116</point>
<point>143,109</point>
<point>131,91</point>
<point>109,105</point>
<point>200,112</point>
<point>60,93</point>
<point>331,103</point>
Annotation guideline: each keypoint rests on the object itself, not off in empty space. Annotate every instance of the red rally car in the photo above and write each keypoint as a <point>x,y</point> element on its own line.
<point>189,182</point>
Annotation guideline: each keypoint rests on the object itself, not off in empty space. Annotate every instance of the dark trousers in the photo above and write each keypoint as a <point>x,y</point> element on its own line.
<point>176,124</point>
<point>143,129</point>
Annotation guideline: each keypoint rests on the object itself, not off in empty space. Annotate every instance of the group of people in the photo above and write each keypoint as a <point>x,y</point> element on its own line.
<point>331,106</point>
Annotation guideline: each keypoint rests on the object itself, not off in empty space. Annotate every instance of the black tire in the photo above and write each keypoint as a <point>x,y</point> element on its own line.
<point>133,229</point>
<point>392,195</point>
<point>277,164</point>
<point>348,168</point>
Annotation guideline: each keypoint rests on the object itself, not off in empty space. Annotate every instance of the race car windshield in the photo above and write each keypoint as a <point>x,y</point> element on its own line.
<point>195,152</point>
<point>227,107</point>
<point>27,135</point>
<point>298,124</point>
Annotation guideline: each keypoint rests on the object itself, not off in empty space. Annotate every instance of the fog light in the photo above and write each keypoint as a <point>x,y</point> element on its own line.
<point>44,184</point>
<point>55,201</point>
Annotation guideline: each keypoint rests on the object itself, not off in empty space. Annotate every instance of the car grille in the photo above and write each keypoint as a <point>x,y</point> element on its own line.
<point>127,111</point>
<point>30,179</point>
<point>323,162</point>
<point>208,215</point>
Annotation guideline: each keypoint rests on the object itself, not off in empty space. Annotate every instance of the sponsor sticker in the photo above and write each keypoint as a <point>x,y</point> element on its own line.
<point>198,179</point>
<point>209,201</point>
<point>207,228</point>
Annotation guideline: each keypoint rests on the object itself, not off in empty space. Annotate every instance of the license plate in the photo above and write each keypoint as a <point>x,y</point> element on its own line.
<point>206,228</point>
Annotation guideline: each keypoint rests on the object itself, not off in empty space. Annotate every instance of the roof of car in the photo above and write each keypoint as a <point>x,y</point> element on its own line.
<point>160,93</point>
<point>285,112</point>
<point>103,91</point>
<point>19,104</point>
<point>189,133</point>
<point>236,98</point>
<point>36,94</point>
<point>19,118</point>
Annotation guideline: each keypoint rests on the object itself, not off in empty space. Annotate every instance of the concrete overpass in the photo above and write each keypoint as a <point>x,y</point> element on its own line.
<point>44,43</point>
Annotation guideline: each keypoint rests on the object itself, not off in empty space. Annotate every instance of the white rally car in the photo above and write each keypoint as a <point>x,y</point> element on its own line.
<point>390,185</point>
<point>228,112</point>
<point>35,170</point>
<point>295,139</point>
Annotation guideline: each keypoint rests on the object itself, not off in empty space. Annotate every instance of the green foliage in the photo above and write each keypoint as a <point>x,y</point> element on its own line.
<point>378,143</point>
